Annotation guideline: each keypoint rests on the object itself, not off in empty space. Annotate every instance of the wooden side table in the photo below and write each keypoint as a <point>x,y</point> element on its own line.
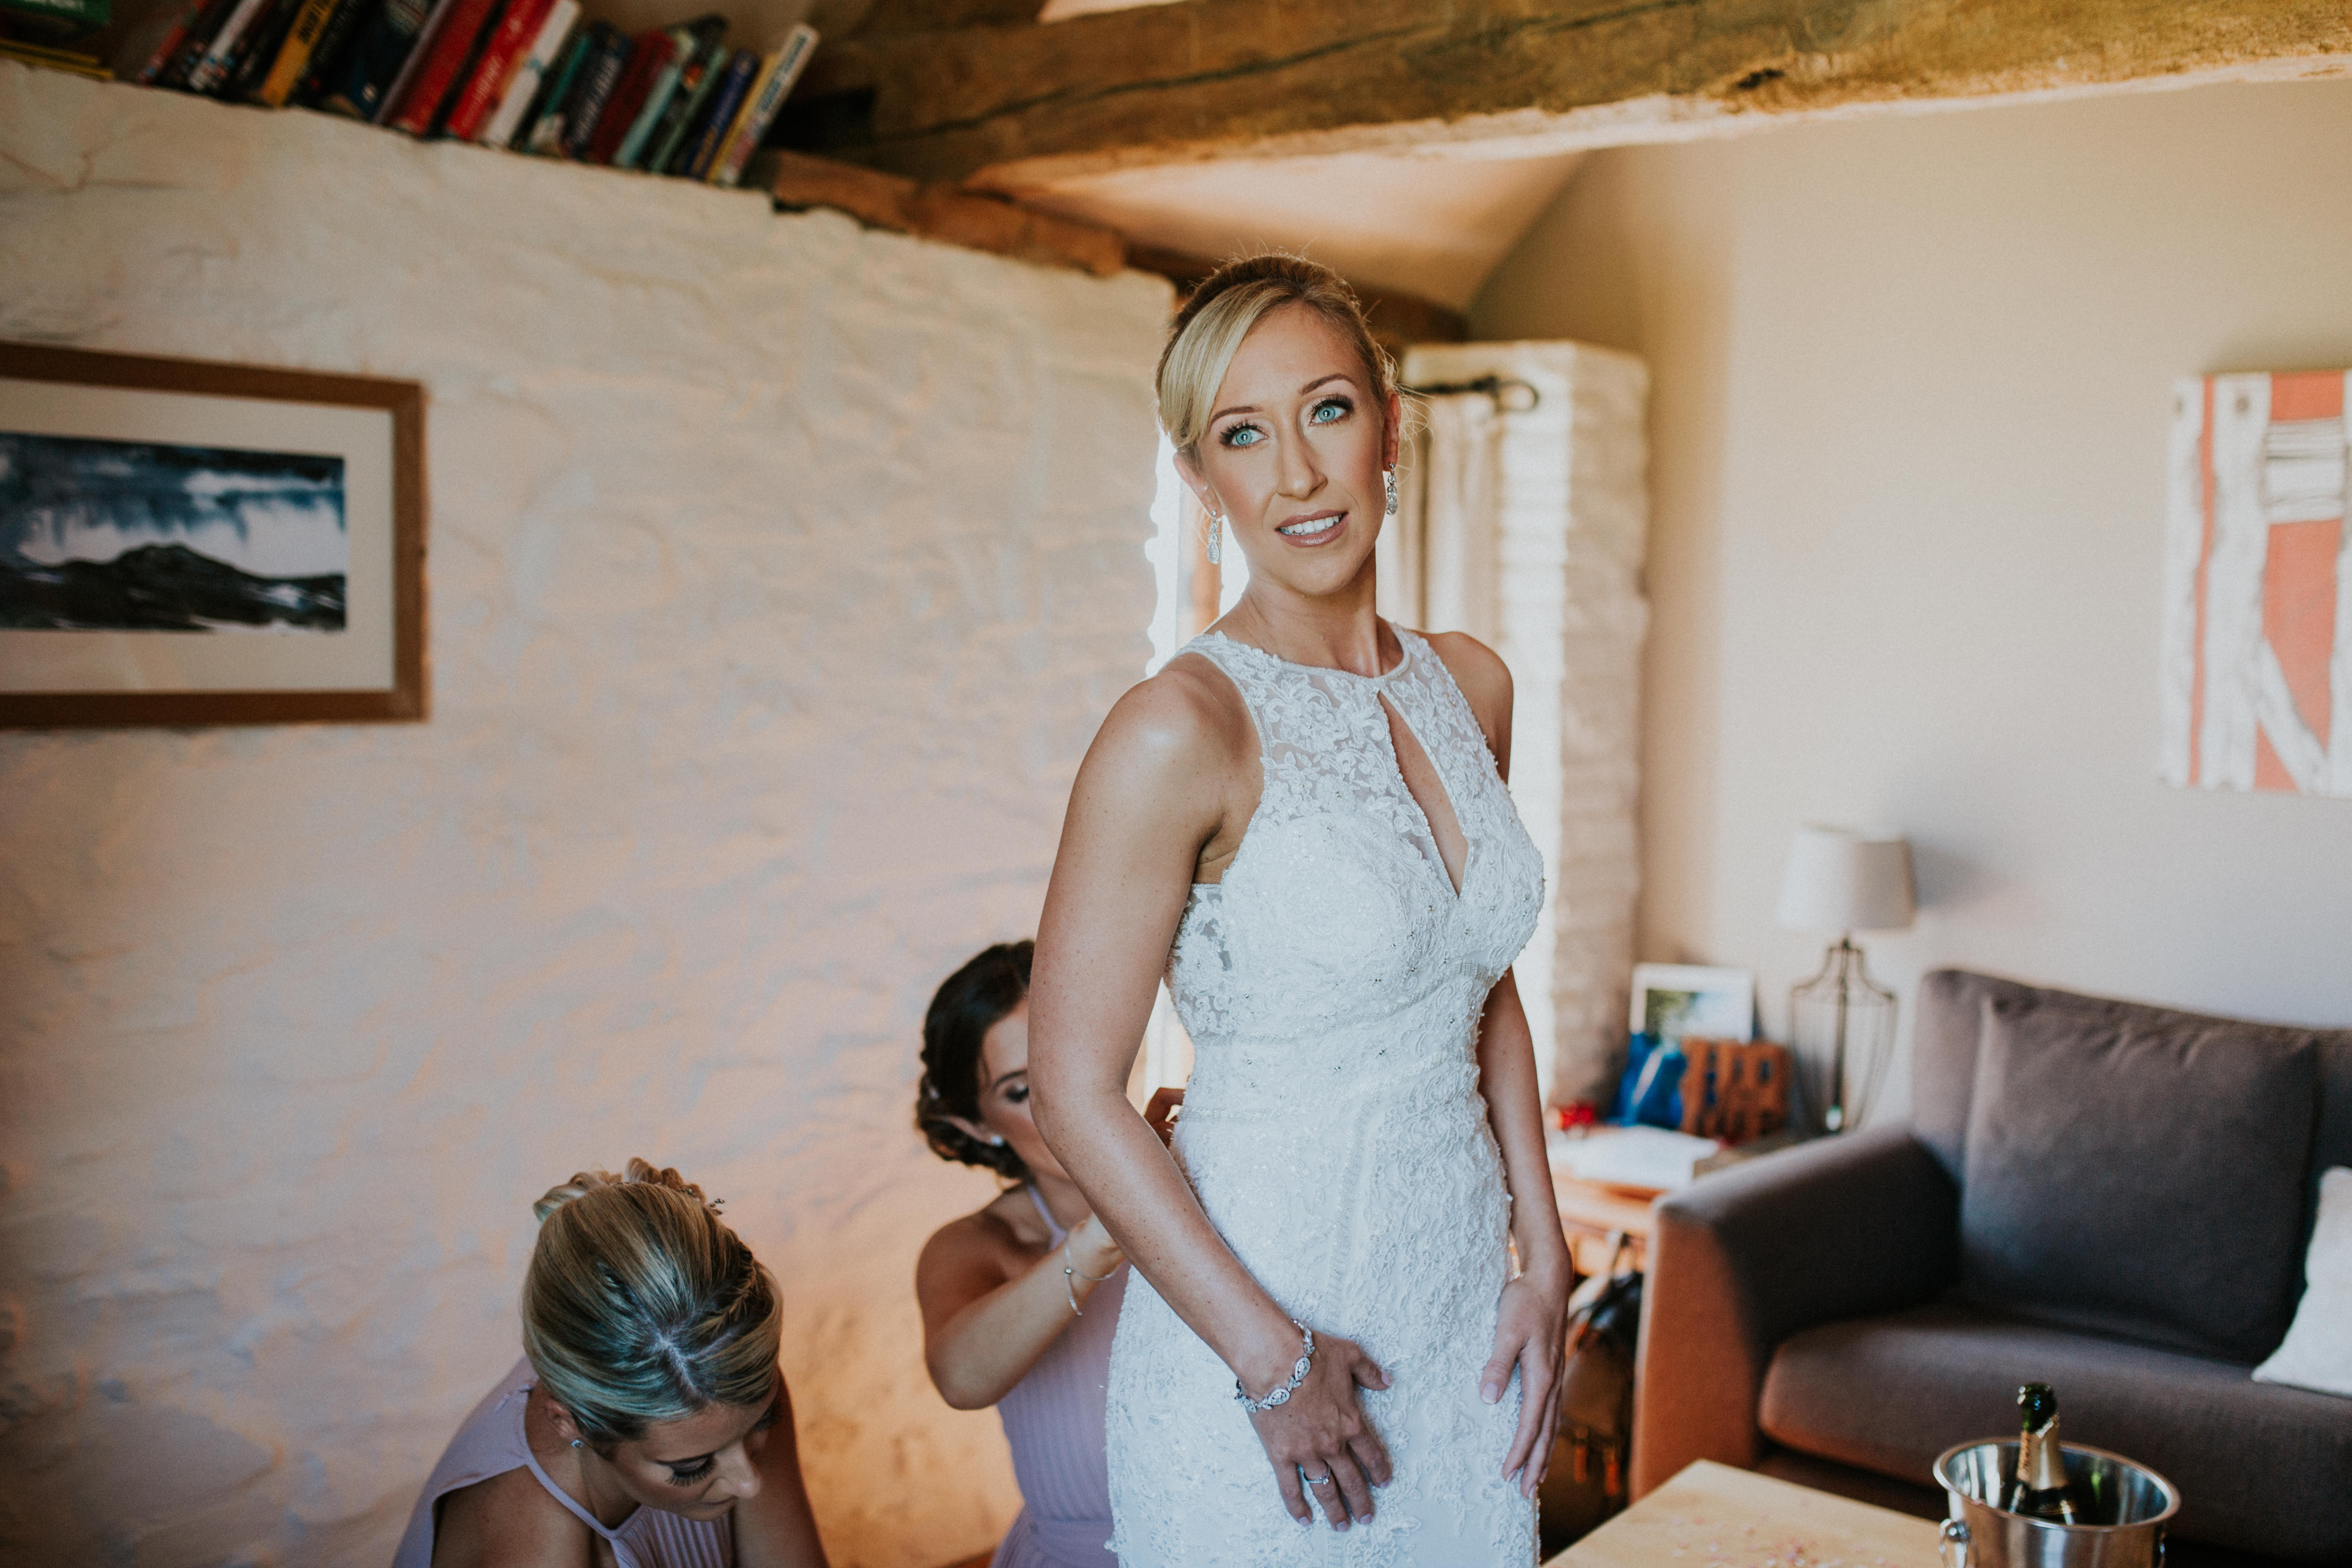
<point>1592,1212</point>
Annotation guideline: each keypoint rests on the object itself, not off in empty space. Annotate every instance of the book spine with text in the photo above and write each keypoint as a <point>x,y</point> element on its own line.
<point>501,53</point>
<point>380,56</point>
<point>259,49</point>
<point>647,56</point>
<point>726,104</point>
<point>694,85</point>
<point>452,46</point>
<point>658,97</point>
<point>783,69</point>
<point>191,30</point>
<point>543,136</point>
<point>554,83</point>
<point>302,43</point>
<point>421,47</point>
<point>601,79</point>
<point>331,56</point>
<point>522,88</point>
<point>212,68</point>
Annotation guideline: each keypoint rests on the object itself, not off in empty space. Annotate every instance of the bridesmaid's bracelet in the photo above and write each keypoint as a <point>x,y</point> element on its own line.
<point>1070,1274</point>
<point>1297,1375</point>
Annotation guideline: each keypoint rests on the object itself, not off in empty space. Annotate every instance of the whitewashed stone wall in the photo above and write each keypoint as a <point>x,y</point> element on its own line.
<point>780,573</point>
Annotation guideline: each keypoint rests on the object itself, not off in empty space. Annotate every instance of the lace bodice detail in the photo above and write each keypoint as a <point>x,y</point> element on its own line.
<point>1337,913</point>
<point>1333,1128</point>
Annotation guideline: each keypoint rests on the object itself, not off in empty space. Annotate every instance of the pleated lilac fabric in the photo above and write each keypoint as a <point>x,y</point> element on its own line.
<point>490,1443</point>
<point>1054,1423</point>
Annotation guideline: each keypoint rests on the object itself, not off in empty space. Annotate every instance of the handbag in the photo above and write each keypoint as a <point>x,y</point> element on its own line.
<point>1593,1446</point>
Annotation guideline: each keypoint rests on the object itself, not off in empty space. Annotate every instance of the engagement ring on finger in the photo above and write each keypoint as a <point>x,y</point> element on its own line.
<point>1319,1480</point>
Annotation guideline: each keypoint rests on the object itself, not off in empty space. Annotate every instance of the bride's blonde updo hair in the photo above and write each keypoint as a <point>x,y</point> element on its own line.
<point>1209,329</point>
<point>641,1306</point>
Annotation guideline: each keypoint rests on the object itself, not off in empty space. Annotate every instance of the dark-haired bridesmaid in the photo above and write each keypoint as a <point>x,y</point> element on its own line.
<point>1019,1298</point>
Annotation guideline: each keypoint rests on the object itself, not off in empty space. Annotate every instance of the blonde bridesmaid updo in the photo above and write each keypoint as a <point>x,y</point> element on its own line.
<point>641,1306</point>
<point>1230,301</point>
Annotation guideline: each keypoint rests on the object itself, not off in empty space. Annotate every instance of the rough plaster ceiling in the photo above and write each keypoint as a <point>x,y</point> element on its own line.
<point>1433,226</point>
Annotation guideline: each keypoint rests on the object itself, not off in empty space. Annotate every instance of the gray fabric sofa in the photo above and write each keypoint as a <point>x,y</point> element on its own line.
<point>2109,1198</point>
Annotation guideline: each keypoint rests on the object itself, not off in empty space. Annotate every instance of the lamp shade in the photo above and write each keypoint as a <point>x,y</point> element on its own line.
<point>1840,880</point>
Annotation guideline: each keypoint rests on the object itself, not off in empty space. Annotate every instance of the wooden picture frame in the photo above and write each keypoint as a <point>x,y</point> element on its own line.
<point>167,530</point>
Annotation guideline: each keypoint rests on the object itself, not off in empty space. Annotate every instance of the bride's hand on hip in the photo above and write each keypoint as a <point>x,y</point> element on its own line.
<point>1531,1331</point>
<point>1322,1431</point>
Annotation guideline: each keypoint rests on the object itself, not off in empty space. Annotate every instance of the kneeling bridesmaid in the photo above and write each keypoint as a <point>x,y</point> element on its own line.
<point>1019,1300</point>
<point>647,1425</point>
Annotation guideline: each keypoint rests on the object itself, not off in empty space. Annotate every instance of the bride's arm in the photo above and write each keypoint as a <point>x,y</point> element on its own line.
<point>1532,1329</point>
<point>1150,796</point>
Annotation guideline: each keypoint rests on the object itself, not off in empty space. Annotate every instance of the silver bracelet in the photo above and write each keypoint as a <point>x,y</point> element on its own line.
<point>1070,1274</point>
<point>1297,1375</point>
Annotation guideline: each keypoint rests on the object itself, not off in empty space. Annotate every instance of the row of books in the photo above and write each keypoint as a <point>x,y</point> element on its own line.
<point>531,75</point>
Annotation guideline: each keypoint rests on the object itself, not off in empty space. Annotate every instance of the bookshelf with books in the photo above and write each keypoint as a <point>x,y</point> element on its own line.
<point>535,77</point>
<point>543,79</point>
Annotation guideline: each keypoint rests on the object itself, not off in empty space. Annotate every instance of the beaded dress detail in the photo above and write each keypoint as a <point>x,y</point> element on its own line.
<point>1333,1130</point>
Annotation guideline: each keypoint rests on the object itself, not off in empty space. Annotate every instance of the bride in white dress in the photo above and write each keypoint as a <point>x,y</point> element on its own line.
<point>1301,821</point>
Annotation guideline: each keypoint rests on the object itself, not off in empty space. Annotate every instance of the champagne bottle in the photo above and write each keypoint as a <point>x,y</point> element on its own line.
<point>2040,1490</point>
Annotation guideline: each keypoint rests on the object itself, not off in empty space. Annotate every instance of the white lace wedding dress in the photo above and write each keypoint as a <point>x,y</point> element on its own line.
<point>1334,1132</point>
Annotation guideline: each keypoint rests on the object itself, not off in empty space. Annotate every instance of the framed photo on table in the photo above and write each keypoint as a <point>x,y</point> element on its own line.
<point>189,543</point>
<point>1674,1001</point>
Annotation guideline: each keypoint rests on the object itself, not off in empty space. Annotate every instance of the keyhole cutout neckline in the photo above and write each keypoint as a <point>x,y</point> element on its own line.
<point>1401,730</point>
<point>1394,722</point>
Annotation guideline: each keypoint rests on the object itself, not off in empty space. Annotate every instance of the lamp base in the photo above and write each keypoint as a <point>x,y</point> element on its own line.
<point>1843,1016</point>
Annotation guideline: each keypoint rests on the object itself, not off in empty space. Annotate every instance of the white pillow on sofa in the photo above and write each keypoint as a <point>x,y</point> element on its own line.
<point>2317,1350</point>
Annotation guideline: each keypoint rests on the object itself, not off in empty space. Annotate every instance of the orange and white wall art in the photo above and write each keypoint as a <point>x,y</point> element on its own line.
<point>2258,586</point>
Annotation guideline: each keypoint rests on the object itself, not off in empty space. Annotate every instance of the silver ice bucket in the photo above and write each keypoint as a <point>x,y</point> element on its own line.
<point>2123,1507</point>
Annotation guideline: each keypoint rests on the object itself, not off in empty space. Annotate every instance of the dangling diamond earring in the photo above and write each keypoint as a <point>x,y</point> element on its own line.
<point>1217,539</point>
<point>1388,483</point>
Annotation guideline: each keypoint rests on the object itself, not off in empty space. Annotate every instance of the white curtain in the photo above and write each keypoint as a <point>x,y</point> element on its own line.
<point>1525,528</point>
<point>1440,563</point>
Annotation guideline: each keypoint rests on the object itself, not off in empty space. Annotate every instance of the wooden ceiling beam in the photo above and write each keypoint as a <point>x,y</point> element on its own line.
<point>1021,104</point>
<point>977,222</point>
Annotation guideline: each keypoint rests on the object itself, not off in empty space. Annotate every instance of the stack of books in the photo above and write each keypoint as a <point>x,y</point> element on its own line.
<point>530,75</point>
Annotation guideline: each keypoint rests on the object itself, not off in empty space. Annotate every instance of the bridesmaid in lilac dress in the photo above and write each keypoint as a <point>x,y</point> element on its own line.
<point>1020,1299</point>
<point>647,1425</point>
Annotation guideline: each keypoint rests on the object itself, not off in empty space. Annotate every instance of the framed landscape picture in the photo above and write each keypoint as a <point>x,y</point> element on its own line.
<point>186,542</point>
<point>1673,1001</point>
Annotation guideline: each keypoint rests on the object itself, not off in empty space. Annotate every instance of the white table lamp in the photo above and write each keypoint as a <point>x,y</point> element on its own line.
<point>1844,881</point>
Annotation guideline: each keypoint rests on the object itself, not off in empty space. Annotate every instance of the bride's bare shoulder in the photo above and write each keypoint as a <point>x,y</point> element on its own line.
<point>1185,717</point>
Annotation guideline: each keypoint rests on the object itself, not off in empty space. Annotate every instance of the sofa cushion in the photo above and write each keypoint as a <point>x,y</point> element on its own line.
<point>2138,1176</point>
<point>2318,1352</point>
<point>2259,1468</point>
<point>1948,1016</point>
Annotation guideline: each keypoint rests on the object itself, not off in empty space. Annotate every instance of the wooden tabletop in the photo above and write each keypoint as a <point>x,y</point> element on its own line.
<point>1601,1205</point>
<point>1712,1516</point>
